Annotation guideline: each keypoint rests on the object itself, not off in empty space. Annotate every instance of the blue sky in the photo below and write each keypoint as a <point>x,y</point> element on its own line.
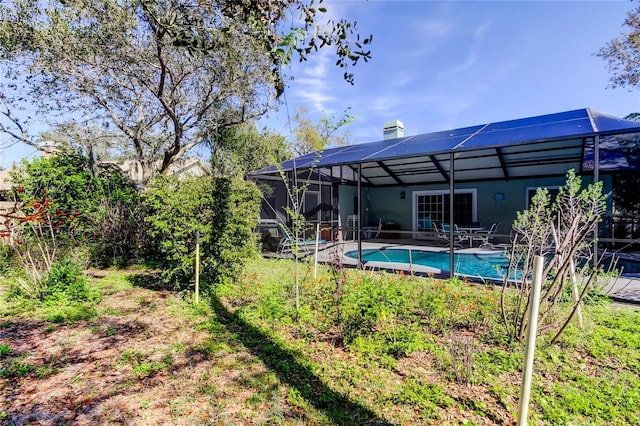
<point>444,65</point>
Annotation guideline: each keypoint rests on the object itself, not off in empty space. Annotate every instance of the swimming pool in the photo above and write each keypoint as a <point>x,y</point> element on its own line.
<point>489,266</point>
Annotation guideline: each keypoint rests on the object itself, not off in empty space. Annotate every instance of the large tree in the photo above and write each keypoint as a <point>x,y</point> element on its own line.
<point>622,54</point>
<point>623,59</point>
<point>164,75</point>
<point>242,149</point>
<point>327,132</point>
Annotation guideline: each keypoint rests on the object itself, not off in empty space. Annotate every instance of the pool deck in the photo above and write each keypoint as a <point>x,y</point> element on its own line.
<point>625,289</point>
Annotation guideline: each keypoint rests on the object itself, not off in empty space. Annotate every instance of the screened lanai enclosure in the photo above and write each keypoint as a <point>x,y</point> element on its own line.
<point>401,186</point>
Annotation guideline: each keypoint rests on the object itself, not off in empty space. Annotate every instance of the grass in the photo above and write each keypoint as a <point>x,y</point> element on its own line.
<point>380,349</point>
<point>450,333</point>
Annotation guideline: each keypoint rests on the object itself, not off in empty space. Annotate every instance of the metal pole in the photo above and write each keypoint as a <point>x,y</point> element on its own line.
<point>451,191</point>
<point>197,266</point>
<point>534,303</point>
<point>359,215</point>
<point>315,259</point>
<point>596,178</point>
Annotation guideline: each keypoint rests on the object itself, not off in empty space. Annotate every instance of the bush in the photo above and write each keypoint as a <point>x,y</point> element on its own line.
<point>65,282</point>
<point>223,211</point>
<point>103,208</point>
<point>175,210</point>
<point>236,213</point>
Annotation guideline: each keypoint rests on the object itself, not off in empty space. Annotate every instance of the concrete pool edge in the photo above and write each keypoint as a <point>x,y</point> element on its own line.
<point>626,289</point>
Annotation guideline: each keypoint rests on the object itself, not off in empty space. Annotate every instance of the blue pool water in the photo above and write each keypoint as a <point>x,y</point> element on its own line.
<point>489,266</point>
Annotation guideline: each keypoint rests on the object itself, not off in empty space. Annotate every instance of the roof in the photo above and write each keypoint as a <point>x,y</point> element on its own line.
<point>534,146</point>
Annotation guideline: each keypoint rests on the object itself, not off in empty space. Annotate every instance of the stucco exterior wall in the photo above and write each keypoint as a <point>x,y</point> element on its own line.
<point>387,204</point>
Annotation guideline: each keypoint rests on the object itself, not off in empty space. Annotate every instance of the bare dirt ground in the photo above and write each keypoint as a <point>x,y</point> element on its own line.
<point>148,358</point>
<point>143,361</point>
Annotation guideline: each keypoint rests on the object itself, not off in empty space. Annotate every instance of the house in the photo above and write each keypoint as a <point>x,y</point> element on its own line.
<point>182,167</point>
<point>6,201</point>
<point>493,169</point>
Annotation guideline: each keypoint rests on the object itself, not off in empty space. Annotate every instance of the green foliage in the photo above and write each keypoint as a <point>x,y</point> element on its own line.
<point>310,137</point>
<point>14,368</point>
<point>65,179</point>
<point>429,397</point>
<point>185,70</point>
<point>115,223</point>
<point>242,149</point>
<point>222,210</point>
<point>401,329</point>
<point>177,209</point>
<point>235,214</point>
<point>65,282</point>
<point>370,305</point>
<point>68,313</point>
<point>142,365</point>
<point>102,210</point>
<point>62,296</point>
<point>7,260</point>
<point>622,54</point>
<point>5,350</point>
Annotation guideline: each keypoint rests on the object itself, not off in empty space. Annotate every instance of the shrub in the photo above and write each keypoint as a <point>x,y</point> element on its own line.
<point>223,211</point>
<point>104,207</point>
<point>65,282</point>
<point>233,239</point>
<point>175,210</point>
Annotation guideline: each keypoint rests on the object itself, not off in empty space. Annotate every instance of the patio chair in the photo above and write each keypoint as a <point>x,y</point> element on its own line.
<point>286,243</point>
<point>439,231</point>
<point>485,236</point>
<point>458,236</point>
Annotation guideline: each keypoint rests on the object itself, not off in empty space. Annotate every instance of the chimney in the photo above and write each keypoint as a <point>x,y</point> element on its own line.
<point>393,129</point>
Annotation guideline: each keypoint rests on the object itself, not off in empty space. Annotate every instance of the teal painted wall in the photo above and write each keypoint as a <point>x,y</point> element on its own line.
<point>386,203</point>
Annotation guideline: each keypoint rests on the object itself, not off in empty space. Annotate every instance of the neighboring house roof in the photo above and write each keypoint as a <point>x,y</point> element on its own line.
<point>534,146</point>
<point>182,167</point>
<point>189,167</point>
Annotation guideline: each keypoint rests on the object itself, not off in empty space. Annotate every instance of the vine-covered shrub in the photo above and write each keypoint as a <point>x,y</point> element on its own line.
<point>175,210</point>
<point>222,210</point>
<point>233,235</point>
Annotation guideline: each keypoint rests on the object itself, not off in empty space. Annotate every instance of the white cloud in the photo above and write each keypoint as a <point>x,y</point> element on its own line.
<point>469,63</point>
<point>482,29</point>
<point>313,87</point>
<point>433,29</point>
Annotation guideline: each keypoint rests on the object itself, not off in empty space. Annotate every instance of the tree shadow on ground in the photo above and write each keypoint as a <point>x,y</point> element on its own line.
<point>337,407</point>
<point>150,281</point>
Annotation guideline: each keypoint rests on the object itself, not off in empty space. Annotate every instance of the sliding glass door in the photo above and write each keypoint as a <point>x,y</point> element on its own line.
<point>435,206</point>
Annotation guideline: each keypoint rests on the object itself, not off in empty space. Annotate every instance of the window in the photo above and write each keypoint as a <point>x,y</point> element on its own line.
<point>531,191</point>
<point>434,206</point>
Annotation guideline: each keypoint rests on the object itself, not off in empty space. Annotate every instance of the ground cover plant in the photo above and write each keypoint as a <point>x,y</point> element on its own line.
<point>390,349</point>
